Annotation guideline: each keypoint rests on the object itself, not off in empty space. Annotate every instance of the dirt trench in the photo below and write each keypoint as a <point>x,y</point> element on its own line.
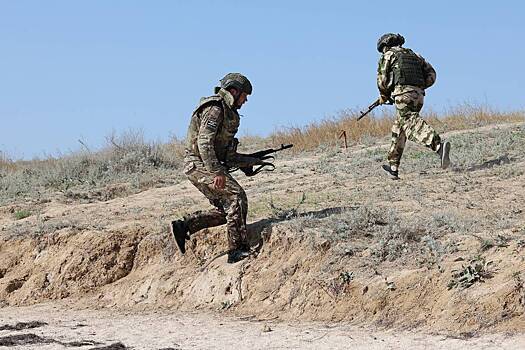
<point>290,278</point>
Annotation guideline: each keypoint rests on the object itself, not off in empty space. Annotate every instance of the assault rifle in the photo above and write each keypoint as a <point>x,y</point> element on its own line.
<point>372,106</point>
<point>247,162</point>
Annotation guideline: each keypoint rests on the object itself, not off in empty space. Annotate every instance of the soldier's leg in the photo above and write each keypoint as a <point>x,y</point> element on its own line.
<point>205,219</point>
<point>415,127</point>
<point>236,207</point>
<point>235,203</point>
<point>199,220</point>
<point>397,145</point>
<point>231,208</point>
<point>181,229</point>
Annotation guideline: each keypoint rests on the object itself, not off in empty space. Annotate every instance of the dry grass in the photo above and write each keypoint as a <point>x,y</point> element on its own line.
<point>133,164</point>
<point>127,160</point>
<point>327,131</point>
<point>6,162</point>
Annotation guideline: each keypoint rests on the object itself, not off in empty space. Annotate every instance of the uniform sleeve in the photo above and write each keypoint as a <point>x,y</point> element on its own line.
<point>211,121</point>
<point>429,71</point>
<point>385,75</point>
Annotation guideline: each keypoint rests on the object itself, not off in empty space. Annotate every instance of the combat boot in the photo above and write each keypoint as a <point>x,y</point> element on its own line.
<point>394,175</point>
<point>180,231</point>
<point>238,254</point>
<point>444,150</point>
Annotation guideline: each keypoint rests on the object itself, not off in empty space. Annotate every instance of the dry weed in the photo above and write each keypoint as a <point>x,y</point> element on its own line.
<point>126,159</point>
<point>478,270</point>
<point>327,131</point>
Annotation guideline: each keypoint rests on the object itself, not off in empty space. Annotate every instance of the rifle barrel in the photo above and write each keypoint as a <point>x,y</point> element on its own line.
<point>370,108</point>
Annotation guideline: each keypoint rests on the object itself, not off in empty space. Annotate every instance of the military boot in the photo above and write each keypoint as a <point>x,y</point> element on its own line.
<point>180,231</point>
<point>444,150</point>
<point>392,171</point>
<point>238,254</point>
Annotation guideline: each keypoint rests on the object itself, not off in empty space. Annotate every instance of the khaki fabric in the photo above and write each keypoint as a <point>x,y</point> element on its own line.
<point>410,125</point>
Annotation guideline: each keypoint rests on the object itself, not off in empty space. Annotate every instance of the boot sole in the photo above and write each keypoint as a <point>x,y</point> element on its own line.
<point>389,173</point>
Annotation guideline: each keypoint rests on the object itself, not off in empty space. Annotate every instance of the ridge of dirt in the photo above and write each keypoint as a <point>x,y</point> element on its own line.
<point>335,241</point>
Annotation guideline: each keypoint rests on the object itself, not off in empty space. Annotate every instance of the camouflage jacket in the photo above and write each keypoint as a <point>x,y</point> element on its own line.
<point>385,74</point>
<point>210,138</point>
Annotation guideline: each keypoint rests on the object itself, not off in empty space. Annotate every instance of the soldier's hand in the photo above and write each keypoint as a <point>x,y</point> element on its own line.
<point>219,182</point>
<point>383,99</point>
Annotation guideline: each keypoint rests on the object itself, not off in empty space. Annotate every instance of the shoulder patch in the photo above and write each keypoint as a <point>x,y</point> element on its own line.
<point>211,124</point>
<point>212,118</point>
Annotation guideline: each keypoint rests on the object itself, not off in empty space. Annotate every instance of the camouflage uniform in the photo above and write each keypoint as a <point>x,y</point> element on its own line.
<point>210,141</point>
<point>408,100</point>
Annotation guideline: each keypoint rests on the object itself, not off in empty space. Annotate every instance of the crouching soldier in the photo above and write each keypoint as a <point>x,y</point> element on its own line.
<point>210,152</point>
<point>402,78</point>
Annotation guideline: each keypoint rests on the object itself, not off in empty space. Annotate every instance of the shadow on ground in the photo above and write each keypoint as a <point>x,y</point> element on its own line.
<point>261,230</point>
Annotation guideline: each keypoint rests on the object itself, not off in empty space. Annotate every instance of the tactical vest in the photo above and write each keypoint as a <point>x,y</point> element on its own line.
<point>225,132</point>
<point>408,69</point>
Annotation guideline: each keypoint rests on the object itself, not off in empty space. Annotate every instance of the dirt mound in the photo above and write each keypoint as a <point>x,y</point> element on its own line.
<point>288,279</point>
<point>436,250</point>
<point>65,263</point>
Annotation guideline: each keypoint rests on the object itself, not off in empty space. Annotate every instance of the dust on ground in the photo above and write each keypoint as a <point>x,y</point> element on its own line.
<point>69,328</point>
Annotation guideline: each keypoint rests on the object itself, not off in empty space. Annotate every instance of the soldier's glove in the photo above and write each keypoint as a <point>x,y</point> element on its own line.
<point>384,99</point>
<point>251,166</point>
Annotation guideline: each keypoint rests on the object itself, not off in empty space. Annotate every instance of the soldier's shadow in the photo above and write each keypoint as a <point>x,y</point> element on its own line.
<point>261,231</point>
<point>489,164</point>
<point>502,160</point>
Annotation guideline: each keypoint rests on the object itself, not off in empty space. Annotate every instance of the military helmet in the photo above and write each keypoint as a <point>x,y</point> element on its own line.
<point>389,40</point>
<point>237,81</point>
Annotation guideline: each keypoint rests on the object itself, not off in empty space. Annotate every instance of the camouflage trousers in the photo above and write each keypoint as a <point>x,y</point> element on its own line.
<point>231,205</point>
<point>409,124</point>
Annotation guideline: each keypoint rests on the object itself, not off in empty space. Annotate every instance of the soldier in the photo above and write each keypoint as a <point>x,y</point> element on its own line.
<point>210,144</point>
<point>402,78</point>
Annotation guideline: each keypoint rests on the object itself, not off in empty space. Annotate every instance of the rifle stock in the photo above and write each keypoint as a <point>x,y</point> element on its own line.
<point>261,159</point>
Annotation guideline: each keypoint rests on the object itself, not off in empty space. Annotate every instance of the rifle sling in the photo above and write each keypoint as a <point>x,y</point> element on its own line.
<point>261,168</point>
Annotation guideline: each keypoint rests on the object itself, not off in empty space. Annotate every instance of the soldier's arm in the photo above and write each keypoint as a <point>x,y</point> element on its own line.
<point>429,71</point>
<point>385,76</point>
<point>211,121</point>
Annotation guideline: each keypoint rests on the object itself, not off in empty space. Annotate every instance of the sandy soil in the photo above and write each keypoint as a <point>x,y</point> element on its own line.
<point>171,330</point>
<point>116,255</point>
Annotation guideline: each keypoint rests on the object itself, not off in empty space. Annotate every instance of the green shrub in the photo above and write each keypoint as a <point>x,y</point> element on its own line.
<point>22,214</point>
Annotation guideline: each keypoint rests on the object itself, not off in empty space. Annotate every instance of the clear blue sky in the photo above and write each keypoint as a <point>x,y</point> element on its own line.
<point>79,69</point>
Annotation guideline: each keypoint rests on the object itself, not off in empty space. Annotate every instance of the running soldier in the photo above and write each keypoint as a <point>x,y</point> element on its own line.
<point>402,78</point>
<point>210,152</point>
